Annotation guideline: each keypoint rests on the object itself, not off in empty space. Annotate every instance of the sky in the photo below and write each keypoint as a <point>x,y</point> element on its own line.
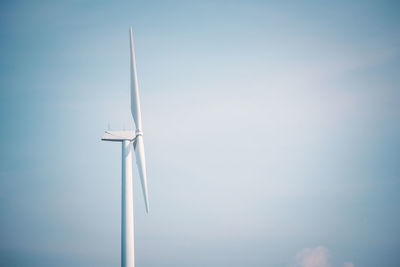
<point>271,132</point>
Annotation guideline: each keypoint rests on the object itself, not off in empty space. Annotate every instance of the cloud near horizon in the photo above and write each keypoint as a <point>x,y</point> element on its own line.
<point>316,257</point>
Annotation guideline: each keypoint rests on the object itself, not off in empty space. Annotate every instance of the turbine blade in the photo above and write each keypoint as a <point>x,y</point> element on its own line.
<point>135,101</point>
<point>141,164</point>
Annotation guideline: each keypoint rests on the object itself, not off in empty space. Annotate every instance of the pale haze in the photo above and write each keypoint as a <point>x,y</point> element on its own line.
<point>272,132</point>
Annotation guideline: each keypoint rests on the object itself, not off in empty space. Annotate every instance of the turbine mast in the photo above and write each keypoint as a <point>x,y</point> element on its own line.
<point>127,233</point>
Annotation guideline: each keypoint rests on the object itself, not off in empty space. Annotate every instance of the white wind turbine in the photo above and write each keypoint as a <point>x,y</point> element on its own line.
<point>129,140</point>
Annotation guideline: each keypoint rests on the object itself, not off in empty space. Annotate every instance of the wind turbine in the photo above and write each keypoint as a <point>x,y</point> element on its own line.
<point>131,140</point>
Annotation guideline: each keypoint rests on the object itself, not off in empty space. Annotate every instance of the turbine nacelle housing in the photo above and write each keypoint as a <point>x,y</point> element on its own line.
<point>119,136</point>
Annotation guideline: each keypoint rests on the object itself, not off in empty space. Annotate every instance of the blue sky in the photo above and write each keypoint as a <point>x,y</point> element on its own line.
<point>271,132</point>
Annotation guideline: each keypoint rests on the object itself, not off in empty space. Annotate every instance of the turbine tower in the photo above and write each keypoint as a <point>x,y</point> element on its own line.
<point>131,140</point>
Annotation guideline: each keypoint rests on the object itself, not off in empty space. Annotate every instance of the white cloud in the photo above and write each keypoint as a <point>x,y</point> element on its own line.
<point>313,257</point>
<point>316,257</point>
